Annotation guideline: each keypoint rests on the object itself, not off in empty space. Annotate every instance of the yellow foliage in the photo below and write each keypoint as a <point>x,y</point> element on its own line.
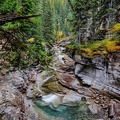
<point>59,34</point>
<point>114,49</point>
<point>68,47</point>
<point>115,28</point>
<point>64,38</point>
<point>104,52</point>
<point>31,40</point>
<point>103,47</point>
<point>112,46</point>
<point>63,2</point>
<point>65,20</point>
<point>86,52</point>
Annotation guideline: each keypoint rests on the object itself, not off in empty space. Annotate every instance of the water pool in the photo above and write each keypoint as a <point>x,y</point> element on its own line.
<point>71,111</point>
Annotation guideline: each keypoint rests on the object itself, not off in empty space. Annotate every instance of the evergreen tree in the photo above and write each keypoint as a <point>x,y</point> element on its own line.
<point>20,37</point>
<point>91,16</point>
<point>47,21</point>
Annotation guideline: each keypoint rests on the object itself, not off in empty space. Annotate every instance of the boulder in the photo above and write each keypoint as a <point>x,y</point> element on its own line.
<point>93,108</point>
<point>72,97</point>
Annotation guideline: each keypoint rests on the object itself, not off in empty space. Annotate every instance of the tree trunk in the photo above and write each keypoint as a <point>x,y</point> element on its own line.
<point>10,19</point>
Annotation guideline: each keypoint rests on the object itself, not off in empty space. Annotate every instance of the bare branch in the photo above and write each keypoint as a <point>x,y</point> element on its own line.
<point>10,19</point>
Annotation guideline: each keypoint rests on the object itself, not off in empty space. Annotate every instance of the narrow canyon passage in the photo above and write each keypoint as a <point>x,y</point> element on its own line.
<point>35,94</point>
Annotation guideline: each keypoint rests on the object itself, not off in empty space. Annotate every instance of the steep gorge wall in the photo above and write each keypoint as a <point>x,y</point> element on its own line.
<point>99,72</point>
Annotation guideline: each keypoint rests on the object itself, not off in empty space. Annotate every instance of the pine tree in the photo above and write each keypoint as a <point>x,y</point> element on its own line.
<point>91,16</point>
<point>47,21</point>
<point>19,32</point>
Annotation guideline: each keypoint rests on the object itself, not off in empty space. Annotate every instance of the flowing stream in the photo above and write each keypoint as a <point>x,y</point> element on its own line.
<point>73,108</point>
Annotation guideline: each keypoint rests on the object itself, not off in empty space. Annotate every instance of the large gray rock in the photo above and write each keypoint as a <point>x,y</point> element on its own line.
<point>99,72</point>
<point>72,97</point>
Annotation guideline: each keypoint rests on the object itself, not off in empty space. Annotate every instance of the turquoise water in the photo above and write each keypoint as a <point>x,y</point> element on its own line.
<point>72,111</point>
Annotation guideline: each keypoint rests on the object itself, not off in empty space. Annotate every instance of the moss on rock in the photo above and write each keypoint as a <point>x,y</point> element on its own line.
<point>52,86</point>
<point>98,47</point>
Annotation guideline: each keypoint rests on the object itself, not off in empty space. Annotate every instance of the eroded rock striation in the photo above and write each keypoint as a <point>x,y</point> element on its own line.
<point>99,72</point>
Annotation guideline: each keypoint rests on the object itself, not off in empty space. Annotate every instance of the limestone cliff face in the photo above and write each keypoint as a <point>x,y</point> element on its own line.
<point>99,72</point>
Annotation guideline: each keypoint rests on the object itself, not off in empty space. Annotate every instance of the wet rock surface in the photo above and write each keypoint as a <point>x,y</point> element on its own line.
<point>34,94</point>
